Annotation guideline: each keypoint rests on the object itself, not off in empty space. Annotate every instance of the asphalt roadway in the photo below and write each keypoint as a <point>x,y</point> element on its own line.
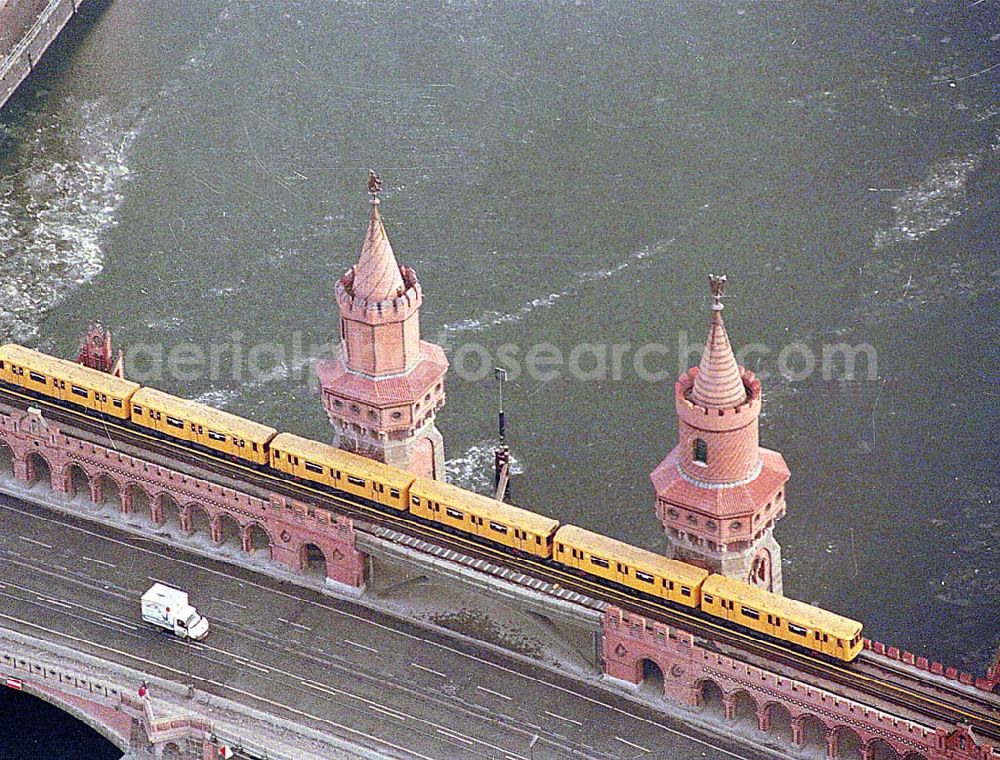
<point>336,665</point>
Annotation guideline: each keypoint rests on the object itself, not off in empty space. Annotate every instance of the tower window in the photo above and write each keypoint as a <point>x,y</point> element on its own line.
<point>700,451</point>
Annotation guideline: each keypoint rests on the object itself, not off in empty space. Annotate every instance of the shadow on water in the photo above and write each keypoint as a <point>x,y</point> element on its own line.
<point>31,728</point>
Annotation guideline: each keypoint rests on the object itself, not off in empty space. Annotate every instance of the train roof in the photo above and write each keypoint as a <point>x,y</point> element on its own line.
<point>483,506</point>
<point>633,556</point>
<point>208,416</point>
<point>815,618</point>
<point>68,370</point>
<point>323,453</point>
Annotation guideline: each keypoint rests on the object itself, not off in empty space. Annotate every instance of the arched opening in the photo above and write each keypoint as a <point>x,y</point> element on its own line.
<point>848,743</point>
<point>111,495</point>
<point>78,482</point>
<point>171,752</point>
<point>170,513</point>
<point>230,533</point>
<point>6,459</point>
<point>139,501</point>
<point>880,749</point>
<point>913,756</point>
<point>39,472</point>
<point>312,560</point>
<point>200,522</point>
<point>258,542</point>
<point>652,678</point>
<point>711,698</point>
<point>745,708</point>
<point>780,722</point>
<point>813,733</point>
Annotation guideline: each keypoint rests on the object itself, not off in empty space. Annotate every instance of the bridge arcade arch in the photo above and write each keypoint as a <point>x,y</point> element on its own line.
<point>651,675</point>
<point>879,749</point>
<point>6,459</point>
<point>844,743</point>
<point>312,560</point>
<point>257,541</point>
<point>39,471</point>
<point>76,482</point>
<point>226,531</point>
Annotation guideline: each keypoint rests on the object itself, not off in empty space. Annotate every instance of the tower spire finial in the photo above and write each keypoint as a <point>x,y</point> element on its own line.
<point>374,186</point>
<point>718,286</point>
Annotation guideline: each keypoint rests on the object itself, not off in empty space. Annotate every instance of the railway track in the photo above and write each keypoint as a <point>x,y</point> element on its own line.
<point>864,676</point>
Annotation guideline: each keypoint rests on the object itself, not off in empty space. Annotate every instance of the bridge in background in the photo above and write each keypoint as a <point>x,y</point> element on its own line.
<point>27,28</point>
<point>889,704</point>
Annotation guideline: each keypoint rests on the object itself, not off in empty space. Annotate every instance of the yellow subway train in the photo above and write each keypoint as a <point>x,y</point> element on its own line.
<point>457,510</point>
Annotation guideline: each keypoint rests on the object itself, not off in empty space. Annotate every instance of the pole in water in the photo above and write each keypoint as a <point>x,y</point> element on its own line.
<point>500,375</point>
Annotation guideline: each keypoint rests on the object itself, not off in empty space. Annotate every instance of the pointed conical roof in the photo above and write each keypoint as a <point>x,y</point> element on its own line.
<point>718,384</point>
<point>376,276</point>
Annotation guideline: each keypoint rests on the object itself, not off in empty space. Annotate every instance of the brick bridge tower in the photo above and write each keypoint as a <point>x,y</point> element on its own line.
<point>382,391</point>
<point>718,493</point>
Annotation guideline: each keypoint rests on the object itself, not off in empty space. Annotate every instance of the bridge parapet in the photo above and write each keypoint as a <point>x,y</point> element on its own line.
<point>988,683</point>
<point>696,676</point>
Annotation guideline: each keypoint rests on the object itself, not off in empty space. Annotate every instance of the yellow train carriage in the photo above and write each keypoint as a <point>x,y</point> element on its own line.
<point>482,516</point>
<point>212,428</point>
<point>787,619</point>
<point>322,463</point>
<point>629,565</point>
<point>66,380</point>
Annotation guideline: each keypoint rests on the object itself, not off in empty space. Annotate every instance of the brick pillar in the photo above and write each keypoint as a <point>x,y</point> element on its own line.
<point>764,719</point>
<point>729,707</point>
<point>832,744</point>
<point>245,539</point>
<point>798,737</point>
<point>216,526</point>
<point>97,489</point>
<point>156,509</point>
<point>126,496</point>
<point>185,518</point>
<point>21,470</point>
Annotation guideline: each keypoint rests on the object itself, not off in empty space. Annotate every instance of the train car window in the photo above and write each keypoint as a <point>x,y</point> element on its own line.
<point>136,409</point>
<point>104,398</point>
<point>394,493</point>
<point>709,598</point>
<point>750,613</point>
<point>797,630</point>
<point>538,540</point>
<point>80,391</point>
<point>117,402</point>
<point>840,643</point>
<point>685,591</point>
<point>174,422</point>
<point>355,481</point>
<point>336,476</point>
<point>826,638</point>
<point>817,635</point>
<point>561,548</point>
<point>36,377</point>
<point>670,585</point>
<point>598,561</point>
<point>277,454</point>
<point>254,445</point>
<point>1,364</point>
<point>314,468</point>
<point>220,437</point>
<point>415,500</point>
<point>454,514</point>
<point>644,576</point>
<point>495,526</point>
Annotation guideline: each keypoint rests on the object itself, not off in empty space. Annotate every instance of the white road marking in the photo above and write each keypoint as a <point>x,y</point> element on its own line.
<point>634,746</point>
<point>428,670</point>
<point>494,693</point>
<point>226,601</point>
<point>33,541</point>
<point>255,666</point>
<point>98,561</point>
<point>119,622</point>
<point>337,693</point>
<point>297,625</point>
<point>360,646</point>
<point>560,717</point>
<point>54,601</point>
<point>453,735</point>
